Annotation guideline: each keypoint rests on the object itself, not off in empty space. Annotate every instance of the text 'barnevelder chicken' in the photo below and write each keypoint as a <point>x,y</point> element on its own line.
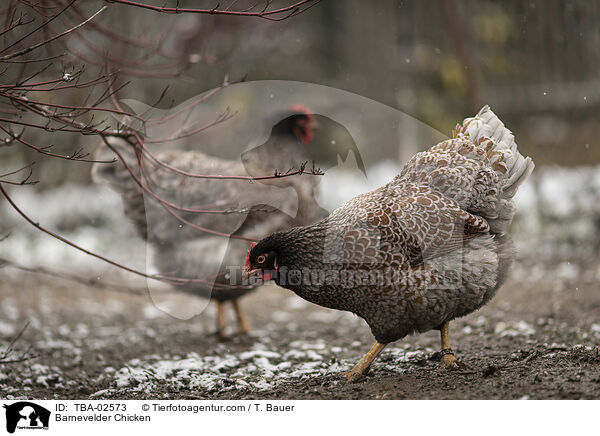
<point>411,256</point>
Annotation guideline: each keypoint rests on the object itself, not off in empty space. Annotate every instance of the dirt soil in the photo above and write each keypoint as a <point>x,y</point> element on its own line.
<point>535,340</point>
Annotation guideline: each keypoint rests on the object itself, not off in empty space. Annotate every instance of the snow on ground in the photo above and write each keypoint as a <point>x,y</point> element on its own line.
<point>520,328</point>
<point>34,376</point>
<point>122,347</point>
<point>90,216</point>
<point>258,368</point>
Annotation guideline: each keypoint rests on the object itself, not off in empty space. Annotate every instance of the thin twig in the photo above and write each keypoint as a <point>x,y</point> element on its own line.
<point>161,278</point>
<point>42,43</point>
<point>279,14</point>
<point>91,282</point>
<point>44,24</point>
<point>5,356</point>
<point>76,156</point>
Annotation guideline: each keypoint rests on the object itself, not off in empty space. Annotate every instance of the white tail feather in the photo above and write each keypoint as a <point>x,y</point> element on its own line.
<point>487,124</point>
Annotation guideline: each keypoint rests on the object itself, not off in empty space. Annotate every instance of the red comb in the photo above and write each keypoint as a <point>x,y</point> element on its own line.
<point>303,110</point>
<point>307,137</point>
<point>247,265</point>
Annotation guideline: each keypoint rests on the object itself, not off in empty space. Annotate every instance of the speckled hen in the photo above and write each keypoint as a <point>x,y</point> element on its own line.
<point>254,209</point>
<point>413,255</point>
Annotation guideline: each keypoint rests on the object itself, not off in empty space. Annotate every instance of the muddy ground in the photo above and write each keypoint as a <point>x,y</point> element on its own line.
<point>538,339</point>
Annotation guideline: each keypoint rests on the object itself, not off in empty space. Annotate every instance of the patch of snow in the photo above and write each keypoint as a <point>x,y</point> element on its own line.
<point>150,311</point>
<point>10,309</point>
<point>279,316</point>
<point>567,271</point>
<point>91,216</point>
<point>319,345</point>
<point>259,353</point>
<point>43,375</point>
<point>520,328</point>
<point>260,369</point>
<point>480,321</point>
<point>7,329</point>
<point>345,181</point>
<point>64,330</point>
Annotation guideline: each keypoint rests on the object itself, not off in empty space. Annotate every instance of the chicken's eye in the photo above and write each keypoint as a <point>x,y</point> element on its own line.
<point>261,258</point>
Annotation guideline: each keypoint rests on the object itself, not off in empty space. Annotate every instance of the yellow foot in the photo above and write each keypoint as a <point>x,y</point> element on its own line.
<point>244,328</point>
<point>449,362</point>
<point>221,323</point>
<point>355,374</point>
<point>362,367</point>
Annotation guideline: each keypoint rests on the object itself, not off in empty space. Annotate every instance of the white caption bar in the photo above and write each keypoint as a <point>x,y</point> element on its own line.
<point>248,417</point>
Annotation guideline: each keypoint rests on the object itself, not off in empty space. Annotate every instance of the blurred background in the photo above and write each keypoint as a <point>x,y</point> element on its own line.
<point>429,65</point>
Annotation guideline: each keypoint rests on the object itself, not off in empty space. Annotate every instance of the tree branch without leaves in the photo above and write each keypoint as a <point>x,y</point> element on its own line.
<point>10,355</point>
<point>44,94</point>
<point>277,14</point>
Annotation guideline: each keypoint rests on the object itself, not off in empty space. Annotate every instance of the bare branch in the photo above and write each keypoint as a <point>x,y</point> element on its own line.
<point>8,355</point>
<point>57,112</point>
<point>30,61</point>
<point>161,278</point>
<point>76,156</point>
<point>25,181</point>
<point>91,282</point>
<point>43,43</point>
<point>16,23</point>
<point>266,13</point>
<point>37,29</point>
<point>168,206</point>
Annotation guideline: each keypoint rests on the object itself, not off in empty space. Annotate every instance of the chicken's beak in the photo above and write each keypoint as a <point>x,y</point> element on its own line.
<point>246,274</point>
<point>265,276</point>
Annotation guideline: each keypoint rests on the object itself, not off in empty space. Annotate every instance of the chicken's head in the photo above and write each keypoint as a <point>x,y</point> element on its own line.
<point>297,121</point>
<point>260,261</point>
<point>303,123</point>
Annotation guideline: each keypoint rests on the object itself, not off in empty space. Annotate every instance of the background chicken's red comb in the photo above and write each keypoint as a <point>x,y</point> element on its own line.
<point>247,265</point>
<point>304,110</point>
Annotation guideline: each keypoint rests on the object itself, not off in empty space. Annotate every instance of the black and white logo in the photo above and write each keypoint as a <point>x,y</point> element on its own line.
<point>26,415</point>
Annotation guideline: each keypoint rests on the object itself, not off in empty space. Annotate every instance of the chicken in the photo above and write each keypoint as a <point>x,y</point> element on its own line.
<point>428,247</point>
<point>209,250</point>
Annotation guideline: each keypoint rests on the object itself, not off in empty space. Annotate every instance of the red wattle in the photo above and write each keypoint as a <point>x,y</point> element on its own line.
<point>247,264</point>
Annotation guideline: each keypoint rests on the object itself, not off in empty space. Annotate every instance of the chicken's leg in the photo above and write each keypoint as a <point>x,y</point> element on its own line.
<point>448,360</point>
<point>221,322</point>
<point>363,365</point>
<point>241,317</point>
